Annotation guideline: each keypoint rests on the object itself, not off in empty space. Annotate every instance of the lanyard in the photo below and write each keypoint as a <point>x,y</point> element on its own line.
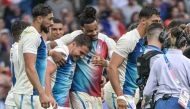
<point>152,47</point>
<point>171,71</point>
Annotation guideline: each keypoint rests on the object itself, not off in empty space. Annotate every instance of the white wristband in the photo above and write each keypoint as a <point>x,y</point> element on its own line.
<point>122,98</point>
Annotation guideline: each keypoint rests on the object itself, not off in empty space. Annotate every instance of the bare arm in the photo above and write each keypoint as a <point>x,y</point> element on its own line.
<point>113,73</point>
<point>31,72</point>
<point>51,68</point>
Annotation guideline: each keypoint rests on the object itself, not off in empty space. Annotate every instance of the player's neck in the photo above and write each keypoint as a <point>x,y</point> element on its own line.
<point>37,26</point>
<point>141,30</point>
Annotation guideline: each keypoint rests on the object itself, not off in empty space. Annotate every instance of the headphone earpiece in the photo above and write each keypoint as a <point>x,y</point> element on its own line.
<point>162,36</point>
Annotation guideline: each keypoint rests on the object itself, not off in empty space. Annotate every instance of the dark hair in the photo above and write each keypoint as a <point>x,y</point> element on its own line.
<point>174,23</point>
<point>177,38</point>
<point>56,20</point>
<point>82,40</point>
<point>152,33</point>
<point>87,16</point>
<point>41,10</point>
<point>154,26</point>
<point>17,28</point>
<point>148,11</point>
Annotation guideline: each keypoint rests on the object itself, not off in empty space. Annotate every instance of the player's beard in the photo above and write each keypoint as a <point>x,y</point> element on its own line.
<point>44,29</point>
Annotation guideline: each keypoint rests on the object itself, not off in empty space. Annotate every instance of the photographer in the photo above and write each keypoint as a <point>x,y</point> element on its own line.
<point>155,37</point>
<point>169,75</point>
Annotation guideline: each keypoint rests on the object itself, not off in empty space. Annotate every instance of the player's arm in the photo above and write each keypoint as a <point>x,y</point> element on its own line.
<point>57,56</point>
<point>113,74</point>
<point>123,48</point>
<point>30,61</point>
<point>51,68</point>
<point>30,45</point>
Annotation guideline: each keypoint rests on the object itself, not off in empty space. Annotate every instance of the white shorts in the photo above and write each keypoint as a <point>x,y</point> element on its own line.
<point>81,100</point>
<point>10,107</point>
<point>59,107</point>
<point>9,102</point>
<point>111,101</point>
<point>27,101</point>
<point>63,107</point>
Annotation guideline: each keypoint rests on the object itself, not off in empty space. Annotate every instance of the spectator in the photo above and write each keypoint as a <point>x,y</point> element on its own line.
<point>156,4</point>
<point>2,23</point>
<point>5,46</point>
<point>68,19</point>
<point>119,3</point>
<point>134,18</point>
<point>174,14</point>
<point>112,24</point>
<point>2,7</point>
<point>182,10</point>
<point>133,7</point>
<point>5,85</point>
<point>12,13</point>
<point>58,6</point>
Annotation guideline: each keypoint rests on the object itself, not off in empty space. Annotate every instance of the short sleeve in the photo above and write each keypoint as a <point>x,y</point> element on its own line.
<point>30,42</point>
<point>111,46</point>
<point>124,46</point>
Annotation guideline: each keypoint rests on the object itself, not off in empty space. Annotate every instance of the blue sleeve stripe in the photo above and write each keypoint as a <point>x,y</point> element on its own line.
<point>21,101</point>
<point>32,101</point>
<point>113,100</point>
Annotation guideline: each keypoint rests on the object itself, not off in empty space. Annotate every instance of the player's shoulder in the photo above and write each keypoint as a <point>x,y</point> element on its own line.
<point>102,36</point>
<point>14,47</point>
<point>63,49</point>
<point>105,38</point>
<point>130,37</point>
<point>30,32</point>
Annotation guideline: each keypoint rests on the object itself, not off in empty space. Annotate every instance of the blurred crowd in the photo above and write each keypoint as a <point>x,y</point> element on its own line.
<point>114,16</point>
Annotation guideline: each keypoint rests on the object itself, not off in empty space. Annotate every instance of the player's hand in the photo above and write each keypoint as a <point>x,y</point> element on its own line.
<point>142,104</point>
<point>99,61</point>
<point>122,104</point>
<point>58,58</point>
<point>53,102</point>
<point>103,82</point>
<point>44,100</point>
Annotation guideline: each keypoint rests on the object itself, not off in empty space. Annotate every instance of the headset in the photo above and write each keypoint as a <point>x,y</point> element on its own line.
<point>181,40</point>
<point>163,36</point>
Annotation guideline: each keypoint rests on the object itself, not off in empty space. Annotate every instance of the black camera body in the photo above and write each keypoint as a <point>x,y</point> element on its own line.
<point>143,67</point>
